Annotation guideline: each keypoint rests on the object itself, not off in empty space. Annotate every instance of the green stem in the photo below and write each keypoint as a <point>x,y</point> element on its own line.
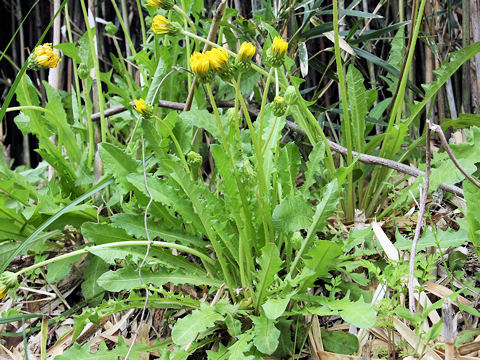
<point>142,22</point>
<point>175,141</point>
<point>91,132</point>
<point>162,244</point>
<point>96,65</point>
<point>262,107</point>
<point>184,14</point>
<point>346,117</point>
<point>74,63</point>
<point>247,255</point>
<point>127,36</point>
<point>259,166</point>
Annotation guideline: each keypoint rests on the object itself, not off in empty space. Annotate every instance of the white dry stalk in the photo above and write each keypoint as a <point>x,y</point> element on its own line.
<point>418,228</point>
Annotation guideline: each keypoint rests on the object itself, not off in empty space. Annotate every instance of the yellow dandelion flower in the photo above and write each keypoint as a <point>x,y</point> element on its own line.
<point>3,291</point>
<point>162,25</point>
<point>161,4</point>
<point>200,65</point>
<point>142,107</point>
<point>44,57</point>
<point>276,53</point>
<point>218,58</point>
<point>246,52</point>
<point>279,47</point>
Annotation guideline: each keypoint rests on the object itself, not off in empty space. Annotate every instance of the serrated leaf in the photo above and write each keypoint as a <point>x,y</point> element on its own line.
<point>322,256</point>
<point>292,214</point>
<point>127,279</point>
<point>270,264</point>
<point>241,346</point>
<point>205,120</point>
<point>117,162</point>
<point>134,225</point>
<point>357,102</point>
<point>266,335</point>
<point>189,327</point>
<point>359,313</point>
<point>90,288</point>
<point>59,269</point>
<point>275,307</point>
<point>314,166</point>
<point>104,233</point>
<point>288,164</point>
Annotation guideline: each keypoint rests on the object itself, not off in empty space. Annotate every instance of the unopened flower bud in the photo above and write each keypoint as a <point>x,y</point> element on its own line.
<point>279,106</point>
<point>83,71</point>
<point>161,4</point>
<point>244,58</point>
<point>276,53</point>
<point>111,28</point>
<point>8,280</point>
<point>162,25</point>
<point>194,159</point>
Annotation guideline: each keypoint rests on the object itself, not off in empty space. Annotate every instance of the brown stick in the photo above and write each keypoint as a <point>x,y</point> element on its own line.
<point>211,37</point>
<point>448,330</point>
<point>421,212</point>
<point>375,160</point>
<point>364,158</point>
<point>438,130</point>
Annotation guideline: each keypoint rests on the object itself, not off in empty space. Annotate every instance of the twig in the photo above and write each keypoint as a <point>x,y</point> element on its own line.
<point>364,158</point>
<point>421,212</point>
<point>448,330</point>
<point>145,217</point>
<point>438,130</point>
<point>375,160</point>
<point>211,37</point>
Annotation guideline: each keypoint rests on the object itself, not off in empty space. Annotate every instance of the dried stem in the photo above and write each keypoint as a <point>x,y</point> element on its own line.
<point>421,212</point>
<point>448,330</point>
<point>364,158</point>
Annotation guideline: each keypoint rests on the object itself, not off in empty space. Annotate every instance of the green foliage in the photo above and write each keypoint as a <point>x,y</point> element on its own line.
<point>256,219</point>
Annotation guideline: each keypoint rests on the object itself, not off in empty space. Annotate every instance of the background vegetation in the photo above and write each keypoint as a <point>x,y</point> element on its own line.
<point>275,211</point>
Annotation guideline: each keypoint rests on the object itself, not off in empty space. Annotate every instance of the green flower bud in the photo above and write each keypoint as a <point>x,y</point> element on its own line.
<point>247,174</point>
<point>194,159</point>
<point>8,280</point>
<point>279,106</point>
<point>110,28</point>
<point>290,95</point>
<point>231,116</point>
<point>83,71</point>
<point>296,240</point>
